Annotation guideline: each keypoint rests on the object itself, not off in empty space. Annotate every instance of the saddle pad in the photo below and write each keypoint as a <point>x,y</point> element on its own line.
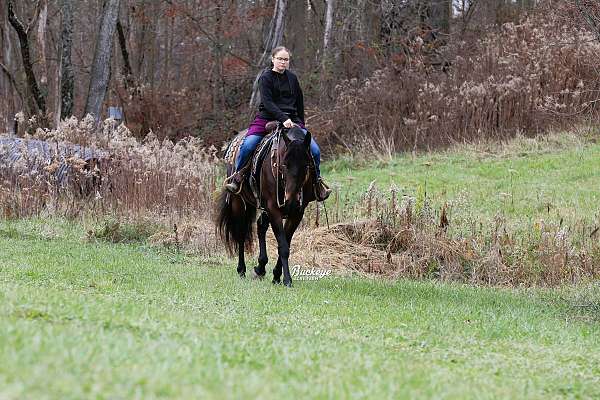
<point>233,148</point>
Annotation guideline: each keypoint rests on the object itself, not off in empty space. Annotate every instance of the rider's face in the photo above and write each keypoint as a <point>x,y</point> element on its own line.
<point>281,61</point>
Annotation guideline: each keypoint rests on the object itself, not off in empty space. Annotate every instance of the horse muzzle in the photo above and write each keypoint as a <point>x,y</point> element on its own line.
<point>293,203</point>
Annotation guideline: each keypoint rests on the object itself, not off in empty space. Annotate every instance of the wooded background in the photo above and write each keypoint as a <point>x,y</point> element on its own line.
<point>182,68</point>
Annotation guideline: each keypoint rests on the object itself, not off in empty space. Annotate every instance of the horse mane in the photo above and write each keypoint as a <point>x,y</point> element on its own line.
<point>296,137</point>
<point>295,133</point>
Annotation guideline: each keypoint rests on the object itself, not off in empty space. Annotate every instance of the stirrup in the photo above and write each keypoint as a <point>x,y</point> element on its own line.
<point>320,186</point>
<point>231,185</point>
<point>233,188</point>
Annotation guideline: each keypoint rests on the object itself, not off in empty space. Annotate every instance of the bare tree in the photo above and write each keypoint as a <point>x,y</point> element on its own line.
<point>102,56</point>
<point>9,90</point>
<point>328,25</point>
<point>67,77</point>
<point>171,43</point>
<point>439,15</point>
<point>326,64</point>
<point>217,52</point>
<point>465,10</point>
<point>23,34</point>
<point>272,40</point>
<point>41,39</point>
<point>127,71</point>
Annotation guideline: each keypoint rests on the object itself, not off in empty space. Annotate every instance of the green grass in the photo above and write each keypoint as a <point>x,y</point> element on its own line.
<point>81,319</point>
<point>100,320</point>
<point>553,177</point>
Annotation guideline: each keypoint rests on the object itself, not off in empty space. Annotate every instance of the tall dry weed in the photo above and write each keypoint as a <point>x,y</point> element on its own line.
<point>169,180</point>
<point>525,77</point>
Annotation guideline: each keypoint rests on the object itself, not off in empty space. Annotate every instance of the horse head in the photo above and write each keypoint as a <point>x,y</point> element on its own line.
<point>295,166</point>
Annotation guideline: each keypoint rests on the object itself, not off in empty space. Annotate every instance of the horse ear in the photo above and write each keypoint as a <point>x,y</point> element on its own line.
<point>307,139</point>
<point>286,139</point>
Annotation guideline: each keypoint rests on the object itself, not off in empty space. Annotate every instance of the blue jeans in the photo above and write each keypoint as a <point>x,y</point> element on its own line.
<point>251,142</point>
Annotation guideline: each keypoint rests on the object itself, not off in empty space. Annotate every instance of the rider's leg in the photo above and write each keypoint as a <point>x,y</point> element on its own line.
<point>316,154</point>
<point>248,145</point>
<point>322,191</point>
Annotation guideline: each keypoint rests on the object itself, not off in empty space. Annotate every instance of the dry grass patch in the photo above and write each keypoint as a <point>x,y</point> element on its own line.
<point>419,247</point>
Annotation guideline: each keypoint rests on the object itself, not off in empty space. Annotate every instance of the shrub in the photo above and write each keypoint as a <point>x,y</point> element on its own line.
<point>526,77</point>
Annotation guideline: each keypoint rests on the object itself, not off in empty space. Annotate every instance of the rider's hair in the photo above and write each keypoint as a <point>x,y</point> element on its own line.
<point>278,49</point>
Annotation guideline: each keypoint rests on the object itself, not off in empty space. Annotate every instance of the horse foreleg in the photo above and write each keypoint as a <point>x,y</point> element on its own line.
<point>283,248</point>
<point>291,224</point>
<point>262,227</point>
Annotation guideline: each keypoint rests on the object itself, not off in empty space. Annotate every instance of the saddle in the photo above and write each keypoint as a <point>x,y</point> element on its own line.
<point>233,148</point>
<point>255,161</point>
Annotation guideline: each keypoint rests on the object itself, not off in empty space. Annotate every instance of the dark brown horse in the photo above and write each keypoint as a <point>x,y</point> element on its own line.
<point>285,187</point>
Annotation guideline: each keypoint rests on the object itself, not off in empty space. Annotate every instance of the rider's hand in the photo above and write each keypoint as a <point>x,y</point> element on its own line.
<point>288,123</point>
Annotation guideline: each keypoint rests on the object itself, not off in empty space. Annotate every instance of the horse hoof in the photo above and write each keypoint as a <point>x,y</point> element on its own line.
<point>276,281</point>
<point>287,284</point>
<point>242,274</point>
<point>259,273</point>
<point>256,275</point>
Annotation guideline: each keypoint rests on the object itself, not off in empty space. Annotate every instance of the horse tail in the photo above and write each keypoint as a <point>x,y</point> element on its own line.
<point>234,222</point>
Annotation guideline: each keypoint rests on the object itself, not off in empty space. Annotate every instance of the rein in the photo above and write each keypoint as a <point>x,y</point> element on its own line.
<point>278,172</point>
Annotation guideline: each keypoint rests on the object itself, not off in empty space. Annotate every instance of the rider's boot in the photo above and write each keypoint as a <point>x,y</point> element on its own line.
<point>234,182</point>
<point>322,190</point>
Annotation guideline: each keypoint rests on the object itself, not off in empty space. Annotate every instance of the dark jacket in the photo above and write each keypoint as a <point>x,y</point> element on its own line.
<point>281,96</point>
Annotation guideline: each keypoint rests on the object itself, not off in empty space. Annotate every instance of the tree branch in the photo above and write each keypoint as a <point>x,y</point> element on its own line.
<point>591,20</point>
<point>210,37</point>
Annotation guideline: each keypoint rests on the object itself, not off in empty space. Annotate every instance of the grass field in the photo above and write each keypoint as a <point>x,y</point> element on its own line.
<point>98,320</point>
<point>553,177</point>
<point>92,319</point>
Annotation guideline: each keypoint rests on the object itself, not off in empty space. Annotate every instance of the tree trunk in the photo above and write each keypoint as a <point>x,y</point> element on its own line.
<point>439,15</point>
<point>154,44</point>
<point>216,75</point>
<point>327,32</point>
<point>297,33</point>
<point>38,97</point>
<point>273,39</point>
<point>67,77</point>
<point>41,39</point>
<point>127,72</point>
<point>8,90</point>
<point>326,64</point>
<point>102,56</point>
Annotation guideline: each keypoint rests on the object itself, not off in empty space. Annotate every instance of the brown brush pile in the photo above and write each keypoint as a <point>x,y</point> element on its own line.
<point>417,247</point>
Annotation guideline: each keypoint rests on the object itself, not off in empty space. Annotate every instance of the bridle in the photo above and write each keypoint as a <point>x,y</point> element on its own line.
<point>280,176</point>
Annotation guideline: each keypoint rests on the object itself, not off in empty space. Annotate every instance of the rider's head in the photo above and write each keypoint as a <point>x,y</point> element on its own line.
<point>280,59</point>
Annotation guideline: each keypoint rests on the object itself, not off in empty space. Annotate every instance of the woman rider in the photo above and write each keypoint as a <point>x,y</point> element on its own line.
<point>281,100</point>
